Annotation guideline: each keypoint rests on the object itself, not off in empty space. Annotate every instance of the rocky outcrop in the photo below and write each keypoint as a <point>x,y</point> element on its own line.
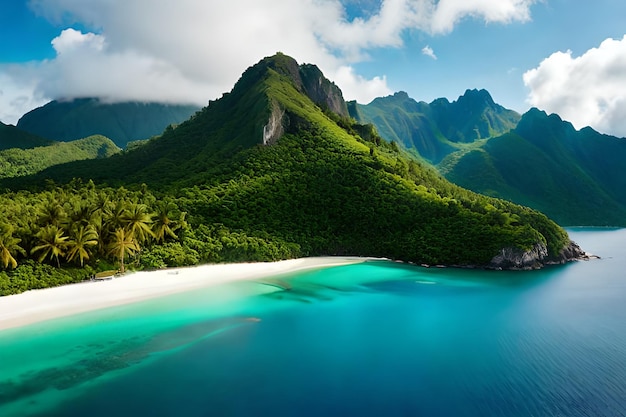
<point>535,258</point>
<point>516,258</point>
<point>322,91</point>
<point>307,78</point>
<point>274,129</point>
<point>571,252</point>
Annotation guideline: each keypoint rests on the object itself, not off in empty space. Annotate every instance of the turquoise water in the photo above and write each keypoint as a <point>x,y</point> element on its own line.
<point>371,339</point>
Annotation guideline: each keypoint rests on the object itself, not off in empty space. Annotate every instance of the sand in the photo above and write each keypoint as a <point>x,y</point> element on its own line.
<point>39,305</point>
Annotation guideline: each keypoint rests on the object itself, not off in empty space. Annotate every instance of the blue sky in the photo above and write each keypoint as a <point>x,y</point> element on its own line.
<point>564,56</point>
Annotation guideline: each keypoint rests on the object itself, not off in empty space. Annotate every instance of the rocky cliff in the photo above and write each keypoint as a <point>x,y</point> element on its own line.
<point>535,258</point>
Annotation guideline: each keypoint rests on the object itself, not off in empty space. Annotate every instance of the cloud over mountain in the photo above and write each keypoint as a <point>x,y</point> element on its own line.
<point>191,51</point>
<point>588,90</point>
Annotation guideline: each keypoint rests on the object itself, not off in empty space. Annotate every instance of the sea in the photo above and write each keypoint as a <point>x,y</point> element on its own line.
<point>372,339</point>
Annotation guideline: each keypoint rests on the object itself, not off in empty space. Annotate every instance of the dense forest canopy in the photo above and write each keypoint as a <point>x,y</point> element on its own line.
<point>210,190</point>
<point>16,162</point>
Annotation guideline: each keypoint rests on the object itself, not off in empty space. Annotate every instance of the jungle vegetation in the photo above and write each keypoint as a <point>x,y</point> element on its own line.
<point>208,190</point>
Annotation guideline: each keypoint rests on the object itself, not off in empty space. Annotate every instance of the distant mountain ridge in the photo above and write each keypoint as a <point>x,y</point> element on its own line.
<point>538,160</point>
<point>576,177</point>
<point>121,122</point>
<point>13,137</point>
<point>439,128</point>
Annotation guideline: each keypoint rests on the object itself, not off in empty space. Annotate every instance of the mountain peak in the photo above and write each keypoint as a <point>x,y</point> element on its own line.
<point>535,120</point>
<point>476,98</point>
<point>307,79</point>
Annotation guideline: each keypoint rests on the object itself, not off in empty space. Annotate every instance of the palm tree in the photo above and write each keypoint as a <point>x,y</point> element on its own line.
<point>163,224</point>
<point>82,238</point>
<point>52,243</point>
<point>100,227</point>
<point>79,213</point>
<point>113,215</point>
<point>9,246</point>
<point>51,213</point>
<point>123,244</point>
<point>137,220</point>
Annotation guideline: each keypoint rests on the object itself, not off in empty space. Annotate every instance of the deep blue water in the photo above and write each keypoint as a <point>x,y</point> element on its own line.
<point>374,339</point>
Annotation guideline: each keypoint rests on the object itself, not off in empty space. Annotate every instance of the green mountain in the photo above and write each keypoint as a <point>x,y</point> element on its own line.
<point>536,160</point>
<point>277,165</point>
<point>12,137</point>
<point>16,162</point>
<point>576,177</point>
<point>121,122</point>
<point>437,129</point>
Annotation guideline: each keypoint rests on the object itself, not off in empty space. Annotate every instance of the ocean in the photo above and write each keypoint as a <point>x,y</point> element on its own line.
<point>370,339</point>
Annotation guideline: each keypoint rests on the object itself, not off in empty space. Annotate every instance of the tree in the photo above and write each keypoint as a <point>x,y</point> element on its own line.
<point>79,213</point>
<point>52,243</point>
<point>123,244</point>
<point>137,220</point>
<point>164,225</point>
<point>82,238</point>
<point>113,215</point>
<point>51,213</point>
<point>9,247</point>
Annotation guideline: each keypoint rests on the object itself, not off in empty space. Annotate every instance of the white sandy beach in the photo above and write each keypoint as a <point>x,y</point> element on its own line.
<point>39,305</point>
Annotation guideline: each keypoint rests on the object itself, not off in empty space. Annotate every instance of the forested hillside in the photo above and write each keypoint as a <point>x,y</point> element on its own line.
<point>68,120</point>
<point>18,162</point>
<point>537,160</point>
<point>269,172</point>
<point>576,177</point>
<point>438,128</point>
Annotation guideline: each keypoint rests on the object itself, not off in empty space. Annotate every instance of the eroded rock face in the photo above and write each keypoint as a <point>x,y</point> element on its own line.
<point>537,257</point>
<point>570,253</point>
<point>274,129</point>
<point>322,91</point>
<point>515,258</point>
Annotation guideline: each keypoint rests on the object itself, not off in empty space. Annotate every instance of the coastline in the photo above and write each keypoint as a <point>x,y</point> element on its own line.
<point>39,305</point>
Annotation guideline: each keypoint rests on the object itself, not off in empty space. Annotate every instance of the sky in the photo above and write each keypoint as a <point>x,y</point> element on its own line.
<point>562,56</point>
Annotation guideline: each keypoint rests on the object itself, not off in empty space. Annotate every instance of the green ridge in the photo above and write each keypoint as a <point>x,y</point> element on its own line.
<point>12,137</point>
<point>323,185</point>
<point>17,162</point>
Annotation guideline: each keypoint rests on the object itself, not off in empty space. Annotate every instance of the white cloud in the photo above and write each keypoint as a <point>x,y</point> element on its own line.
<point>448,13</point>
<point>193,51</point>
<point>428,51</point>
<point>589,90</point>
<point>18,93</point>
<point>355,87</point>
<point>86,67</point>
<point>71,40</point>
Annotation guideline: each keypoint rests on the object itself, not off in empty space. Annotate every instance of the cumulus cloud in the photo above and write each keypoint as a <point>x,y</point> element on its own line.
<point>85,66</point>
<point>588,90</point>
<point>18,93</point>
<point>190,51</point>
<point>448,13</point>
<point>362,90</point>
<point>428,51</point>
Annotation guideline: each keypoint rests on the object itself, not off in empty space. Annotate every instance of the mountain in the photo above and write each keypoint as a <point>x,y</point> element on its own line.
<point>12,137</point>
<point>275,164</point>
<point>576,177</point>
<point>16,162</point>
<point>535,160</point>
<point>437,129</point>
<point>121,122</point>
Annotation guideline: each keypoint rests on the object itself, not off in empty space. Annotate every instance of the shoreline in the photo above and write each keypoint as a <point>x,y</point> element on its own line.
<point>49,303</point>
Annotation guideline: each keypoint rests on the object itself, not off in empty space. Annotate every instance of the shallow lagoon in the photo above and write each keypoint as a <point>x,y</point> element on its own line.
<point>369,339</point>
